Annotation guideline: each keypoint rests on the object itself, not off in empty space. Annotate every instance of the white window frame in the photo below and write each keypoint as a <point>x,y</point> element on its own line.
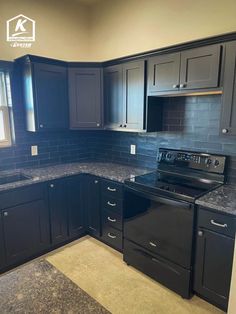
<point>4,108</point>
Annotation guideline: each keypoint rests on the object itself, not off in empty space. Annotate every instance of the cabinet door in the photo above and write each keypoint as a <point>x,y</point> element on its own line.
<point>58,211</point>
<point>200,67</point>
<point>163,73</point>
<point>85,92</point>
<point>133,95</point>
<point>51,96</point>
<point>75,206</point>
<point>114,107</point>
<point>26,230</point>
<point>2,248</point>
<point>213,266</point>
<point>93,206</point>
<point>228,117</point>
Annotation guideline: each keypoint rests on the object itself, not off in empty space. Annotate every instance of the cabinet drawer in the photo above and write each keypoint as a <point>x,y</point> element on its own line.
<point>112,204</point>
<point>112,189</point>
<point>217,222</point>
<point>113,237</point>
<point>112,219</point>
<point>170,275</point>
<point>22,195</point>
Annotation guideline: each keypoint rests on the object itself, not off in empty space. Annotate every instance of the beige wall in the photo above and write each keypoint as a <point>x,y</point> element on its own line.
<point>106,29</point>
<point>123,27</point>
<point>61,28</point>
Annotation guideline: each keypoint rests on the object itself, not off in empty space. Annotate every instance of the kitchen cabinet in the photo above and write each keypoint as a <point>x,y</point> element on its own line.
<point>45,93</point>
<point>67,217</point>
<point>93,205</point>
<point>214,257</point>
<point>113,91</point>
<point>2,249</point>
<point>25,223</point>
<point>85,95</point>
<point>228,116</point>
<point>76,220</point>
<point>125,96</point>
<point>192,69</point>
<point>58,211</point>
<point>112,214</point>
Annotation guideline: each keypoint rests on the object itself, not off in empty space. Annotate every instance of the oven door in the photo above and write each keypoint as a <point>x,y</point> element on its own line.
<point>161,225</point>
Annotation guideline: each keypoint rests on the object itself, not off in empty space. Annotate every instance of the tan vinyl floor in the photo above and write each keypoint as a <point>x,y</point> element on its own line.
<point>101,272</point>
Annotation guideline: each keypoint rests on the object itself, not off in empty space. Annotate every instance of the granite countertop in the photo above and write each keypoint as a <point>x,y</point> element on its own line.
<point>112,171</point>
<point>222,199</point>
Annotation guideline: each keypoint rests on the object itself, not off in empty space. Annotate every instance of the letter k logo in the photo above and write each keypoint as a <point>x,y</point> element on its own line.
<point>20,27</point>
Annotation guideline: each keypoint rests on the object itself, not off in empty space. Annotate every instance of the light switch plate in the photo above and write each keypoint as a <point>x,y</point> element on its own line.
<point>133,149</point>
<point>34,150</point>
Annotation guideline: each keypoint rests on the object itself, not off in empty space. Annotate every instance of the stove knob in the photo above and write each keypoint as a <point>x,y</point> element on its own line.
<point>216,163</point>
<point>169,156</point>
<point>208,161</point>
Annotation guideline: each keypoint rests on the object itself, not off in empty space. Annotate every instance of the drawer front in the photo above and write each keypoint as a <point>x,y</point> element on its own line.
<point>112,204</point>
<point>113,237</point>
<point>112,189</point>
<point>217,222</point>
<point>22,195</point>
<point>112,219</point>
<point>170,275</point>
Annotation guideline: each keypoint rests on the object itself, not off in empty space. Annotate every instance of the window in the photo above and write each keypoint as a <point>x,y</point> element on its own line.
<point>5,110</point>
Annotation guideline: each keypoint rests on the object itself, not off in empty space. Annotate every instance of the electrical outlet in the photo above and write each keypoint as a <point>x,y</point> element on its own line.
<point>34,150</point>
<point>133,149</point>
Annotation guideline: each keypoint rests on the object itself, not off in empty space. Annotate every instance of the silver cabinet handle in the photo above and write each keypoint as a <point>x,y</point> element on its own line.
<point>218,224</point>
<point>111,189</point>
<point>182,85</point>
<point>98,124</point>
<point>225,131</point>
<point>112,236</point>
<point>41,126</point>
<point>96,181</point>
<point>152,244</point>
<point>5,214</point>
<point>176,86</point>
<point>110,219</point>
<point>51,185</point>
<point>111,204</point>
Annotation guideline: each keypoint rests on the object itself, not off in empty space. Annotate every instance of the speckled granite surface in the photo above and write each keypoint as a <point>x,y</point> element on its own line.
<point>222,199</point>
<point>38,287</point>
<point>112,171</point>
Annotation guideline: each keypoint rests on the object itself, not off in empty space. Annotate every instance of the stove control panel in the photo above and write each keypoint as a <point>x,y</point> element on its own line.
<point>192,160</point>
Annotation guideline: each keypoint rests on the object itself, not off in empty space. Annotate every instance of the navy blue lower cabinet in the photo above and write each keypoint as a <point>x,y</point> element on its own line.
<point>21,212</point>
<point>92,191</point>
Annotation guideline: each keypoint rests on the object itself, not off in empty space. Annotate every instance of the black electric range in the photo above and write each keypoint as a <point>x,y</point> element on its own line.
<point>182,175</point>
<point>159,215</point>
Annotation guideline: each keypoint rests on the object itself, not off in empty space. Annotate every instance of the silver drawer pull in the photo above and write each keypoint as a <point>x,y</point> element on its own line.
<point>218,225</point>
<point>111,204</point>
<point>152,244</point>
<point>110,219</point>
<point>111,235</point>
<point>111,189</point>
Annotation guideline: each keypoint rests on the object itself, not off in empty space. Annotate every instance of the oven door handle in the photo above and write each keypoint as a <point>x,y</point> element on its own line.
<point>163,200</point>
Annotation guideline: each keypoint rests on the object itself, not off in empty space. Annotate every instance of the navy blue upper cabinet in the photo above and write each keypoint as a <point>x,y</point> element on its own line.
<point>45,95</point>
<point>193,69</point>
<point>85,94</point>
<point>125,96</point>
<point>228,117</point>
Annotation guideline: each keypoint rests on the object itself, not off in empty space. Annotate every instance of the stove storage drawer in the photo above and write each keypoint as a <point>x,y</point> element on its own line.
<point>162,226</point>
<point>112,219</point>
<point>112,204</point>
<point>217,222</point>
<point>112,189</point>
<point>112,237</point>
<point>170,275</point>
